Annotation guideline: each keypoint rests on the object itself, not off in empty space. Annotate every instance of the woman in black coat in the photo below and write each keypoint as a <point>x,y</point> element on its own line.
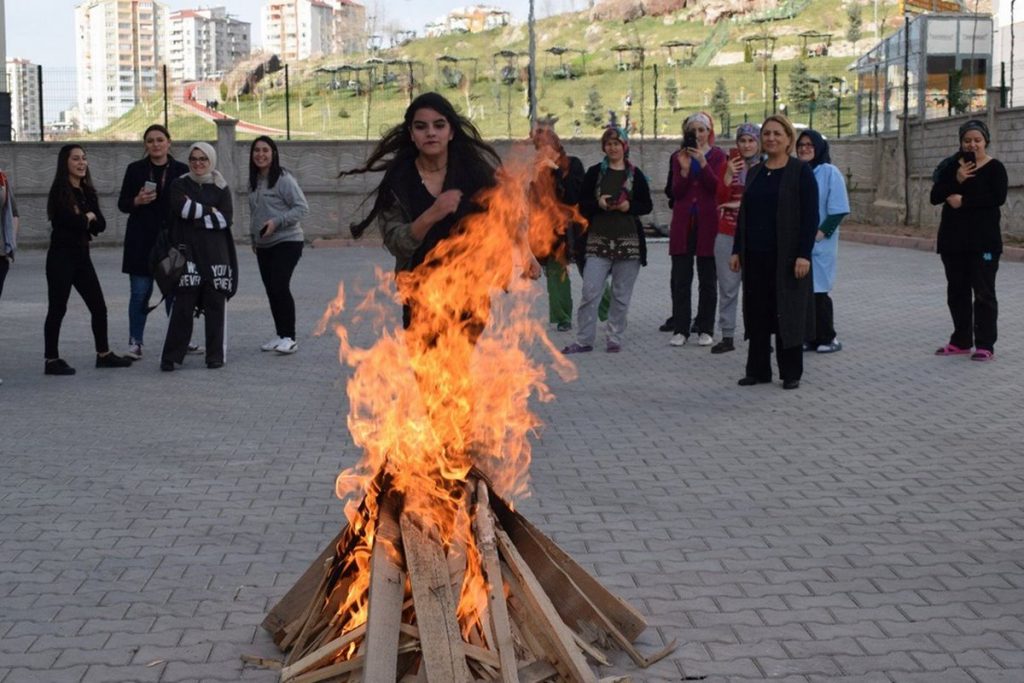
<point>971,186</point>
<point>775,231</point>
<point>144,194</point>
<point>201,209</point>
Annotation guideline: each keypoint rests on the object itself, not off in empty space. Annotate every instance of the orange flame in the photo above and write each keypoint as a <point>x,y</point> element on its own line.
<point>451,392</point>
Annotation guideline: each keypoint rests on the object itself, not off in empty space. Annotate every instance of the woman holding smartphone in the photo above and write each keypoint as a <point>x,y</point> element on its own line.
<point>144,198</point>
<point>971,186</point>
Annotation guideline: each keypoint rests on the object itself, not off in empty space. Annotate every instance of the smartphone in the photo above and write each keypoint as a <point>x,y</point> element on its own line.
<point>734,153</point>
<point>690,139</point>
<point>150,186</point>
<point>968,157</point>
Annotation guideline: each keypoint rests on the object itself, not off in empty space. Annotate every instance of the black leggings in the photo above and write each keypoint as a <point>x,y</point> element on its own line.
<point>68,267</point>
<point>277,263</point>
<point>5,265</point>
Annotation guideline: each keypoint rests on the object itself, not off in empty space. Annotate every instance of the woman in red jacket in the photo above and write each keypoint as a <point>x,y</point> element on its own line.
<point>694,174</point>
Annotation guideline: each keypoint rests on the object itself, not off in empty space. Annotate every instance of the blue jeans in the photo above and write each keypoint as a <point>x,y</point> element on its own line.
<point>138,306</point>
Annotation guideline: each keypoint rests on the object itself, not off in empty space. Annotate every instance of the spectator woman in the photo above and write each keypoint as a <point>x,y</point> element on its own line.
<point>615,194</point>
<point>971,186</point>
<point>8,230</point>
<point>833,206</point>
<point>144,193</point>
<point>276,205</point>
<point>201,209</point>
<point>730,191</point>
<point>434,163</point>
<point>774,238</point>
<point>74,212</point>
<point>694,174</point>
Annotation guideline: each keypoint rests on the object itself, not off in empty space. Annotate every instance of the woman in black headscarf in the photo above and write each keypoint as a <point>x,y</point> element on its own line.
<point>971,186</point>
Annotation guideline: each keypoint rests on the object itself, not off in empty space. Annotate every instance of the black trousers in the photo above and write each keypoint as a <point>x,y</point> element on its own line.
<point>707,293</point>
<point>68,267</point>
<point>822,323</point>
<point>179,328</point>
<point>277,263</point>
<point>5,266</point>
<point>761,317</point>
<point>974,318</point>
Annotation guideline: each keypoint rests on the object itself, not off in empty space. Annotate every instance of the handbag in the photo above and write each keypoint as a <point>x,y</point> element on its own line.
<point>167,261</point>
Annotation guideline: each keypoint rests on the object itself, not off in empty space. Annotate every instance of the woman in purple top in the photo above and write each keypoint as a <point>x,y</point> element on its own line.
<point>692,188</point>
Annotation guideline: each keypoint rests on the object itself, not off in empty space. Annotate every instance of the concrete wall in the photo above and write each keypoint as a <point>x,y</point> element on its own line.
<point>873,168</point>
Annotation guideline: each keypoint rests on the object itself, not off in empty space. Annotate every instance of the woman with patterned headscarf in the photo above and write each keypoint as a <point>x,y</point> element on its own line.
<point>833,206</point>
<point>693,177</point>
<point>614,195</point>
<point>201,209</point>
<point>971,185</point>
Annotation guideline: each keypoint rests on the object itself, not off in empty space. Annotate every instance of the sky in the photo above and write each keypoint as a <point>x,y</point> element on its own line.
<point>43,30</point>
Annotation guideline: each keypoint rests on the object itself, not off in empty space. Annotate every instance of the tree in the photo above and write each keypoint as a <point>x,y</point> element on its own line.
<point>720,100</point>
<point>672,93</point>
<point>855,22</point>
<point>801,87</point>
<point>594,108</point>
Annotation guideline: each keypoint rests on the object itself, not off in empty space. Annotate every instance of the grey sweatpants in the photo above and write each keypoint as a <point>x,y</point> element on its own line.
<point>623,277</point>
<point>728,285</point>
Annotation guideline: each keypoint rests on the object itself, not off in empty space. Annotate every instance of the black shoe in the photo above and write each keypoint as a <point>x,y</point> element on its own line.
<point>214,364</point>
<point>723,346</point>
<point>58,366</point>
<point>112,360</point>
<point>791,384</point>
<point>167,366</point>
<point>564,327</point>
<point>669,326</point>
<point>751,381</point>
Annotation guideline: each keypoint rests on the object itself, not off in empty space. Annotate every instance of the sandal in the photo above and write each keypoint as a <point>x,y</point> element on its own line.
<point>982,355</point>
<point>951,350</point>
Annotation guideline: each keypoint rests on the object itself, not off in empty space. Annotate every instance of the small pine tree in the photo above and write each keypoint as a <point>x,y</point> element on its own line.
<point>672,93</point>
<point>720,100</point>
<point>594,108</point>
<point>801,88</point>
<point>855,21</point>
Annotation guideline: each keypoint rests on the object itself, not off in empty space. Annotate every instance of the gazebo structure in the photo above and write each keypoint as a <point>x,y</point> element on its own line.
<point>628,57</point>
<point>815,43</point>
<point>687,50</point>
<point>761,46</point>
<point>451,75</point>
<point>509,72</point>
<point>564,71</point>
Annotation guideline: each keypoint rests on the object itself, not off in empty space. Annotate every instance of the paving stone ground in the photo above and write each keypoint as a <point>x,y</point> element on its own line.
<point>865,528</point>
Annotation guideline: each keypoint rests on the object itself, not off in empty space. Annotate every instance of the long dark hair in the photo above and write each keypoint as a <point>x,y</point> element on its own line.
<point>61,194</point>
<point>467,152</point>
<point>274,174</point>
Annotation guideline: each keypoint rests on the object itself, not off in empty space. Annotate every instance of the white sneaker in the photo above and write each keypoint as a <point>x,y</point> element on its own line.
<point>705,339</point>
<point>272,344</point>
<point>678,339</point>
<point>134,351</point>
<point>287,345</point>
<point>195,349</point>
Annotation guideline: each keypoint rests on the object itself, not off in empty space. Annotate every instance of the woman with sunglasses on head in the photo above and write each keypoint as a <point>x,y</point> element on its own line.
<point>74,212</point>
<point>144,195</point>
<point>971,185</point>
<point>201,211</point>
<point>276,205</point>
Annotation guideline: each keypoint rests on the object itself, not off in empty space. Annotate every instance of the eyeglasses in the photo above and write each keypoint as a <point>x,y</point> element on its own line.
<point>198,160</point>
<point>806,144</point>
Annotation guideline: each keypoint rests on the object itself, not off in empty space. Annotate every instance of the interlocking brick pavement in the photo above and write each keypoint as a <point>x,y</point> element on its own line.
<point>866,527</point>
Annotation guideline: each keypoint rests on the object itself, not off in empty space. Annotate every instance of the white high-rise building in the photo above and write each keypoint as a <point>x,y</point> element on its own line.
<point>206,42</point>
<point>298,29</point>
<point>1008,51</point>
<point>120,49</point>
<point>23,84</point>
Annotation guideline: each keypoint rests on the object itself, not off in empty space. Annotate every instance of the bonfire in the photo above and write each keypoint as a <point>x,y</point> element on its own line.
<point>435,576</point>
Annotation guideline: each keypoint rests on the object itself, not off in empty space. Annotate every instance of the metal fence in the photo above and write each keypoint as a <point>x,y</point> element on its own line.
<point>360,101</point>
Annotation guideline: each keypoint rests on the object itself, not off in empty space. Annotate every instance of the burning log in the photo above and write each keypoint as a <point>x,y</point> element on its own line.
<point>544,614</point>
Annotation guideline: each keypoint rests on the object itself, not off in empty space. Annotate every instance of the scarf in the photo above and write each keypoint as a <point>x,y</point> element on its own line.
<point>212,175</point>
<point>821,155</point>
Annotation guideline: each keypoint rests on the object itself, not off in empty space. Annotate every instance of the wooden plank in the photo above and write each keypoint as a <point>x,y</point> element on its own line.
<point>552,564</point>
<point>537,672</point>
<point>321,654</point>
<point>570,659</point>
<point>443,657</point>
<point>486,544</point>
<point>315,604</point>
<point>387,593</point>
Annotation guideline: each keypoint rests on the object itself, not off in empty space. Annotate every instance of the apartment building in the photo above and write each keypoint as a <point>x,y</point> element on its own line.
<point>23,84</point>
<point>206,42</point>
<point>120,47</point>
<point>299,29</point>
<point>473,19</point>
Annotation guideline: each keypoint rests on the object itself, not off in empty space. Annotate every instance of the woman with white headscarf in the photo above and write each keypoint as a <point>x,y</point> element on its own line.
<point>201,209</point>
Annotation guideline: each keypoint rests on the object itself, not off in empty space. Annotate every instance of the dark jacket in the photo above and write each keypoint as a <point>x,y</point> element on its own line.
<point>700,189</point>
<point>144,222</point>
<point>202,222</point>
<point>71,227</point>
<point>974,227</point>
<point>640,204</point>
<point>794,237</point>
